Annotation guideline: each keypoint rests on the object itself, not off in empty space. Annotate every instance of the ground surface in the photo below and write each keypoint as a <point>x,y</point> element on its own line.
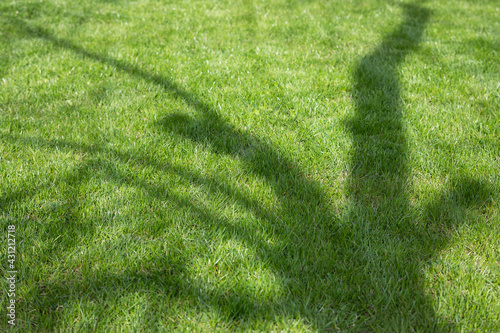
<point>251,165</point>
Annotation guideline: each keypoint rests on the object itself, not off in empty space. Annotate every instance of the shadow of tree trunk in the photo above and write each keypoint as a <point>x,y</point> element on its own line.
<point>379,210</point>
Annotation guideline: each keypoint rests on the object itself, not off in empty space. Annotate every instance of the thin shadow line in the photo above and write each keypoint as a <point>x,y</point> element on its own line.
<point>62,43</point>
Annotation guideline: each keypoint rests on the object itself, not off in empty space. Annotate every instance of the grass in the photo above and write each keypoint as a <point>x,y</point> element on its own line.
<point>251,165</point>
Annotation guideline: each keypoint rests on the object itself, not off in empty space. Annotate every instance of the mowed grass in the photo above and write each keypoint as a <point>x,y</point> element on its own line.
<point>251,165</point>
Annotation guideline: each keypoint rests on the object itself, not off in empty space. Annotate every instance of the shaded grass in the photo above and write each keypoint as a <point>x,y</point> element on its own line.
<point>166,172</point>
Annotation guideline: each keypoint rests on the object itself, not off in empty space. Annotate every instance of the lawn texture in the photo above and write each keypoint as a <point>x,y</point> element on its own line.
<point>219,166</point>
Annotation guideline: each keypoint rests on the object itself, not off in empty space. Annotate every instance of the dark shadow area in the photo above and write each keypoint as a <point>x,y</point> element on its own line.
<point>325,278</point>
<point>379,169</point>
<point>398,243</point>
<point>393,245</point>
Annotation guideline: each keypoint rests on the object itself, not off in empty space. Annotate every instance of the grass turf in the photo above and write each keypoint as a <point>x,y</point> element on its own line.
<point>251,165</point>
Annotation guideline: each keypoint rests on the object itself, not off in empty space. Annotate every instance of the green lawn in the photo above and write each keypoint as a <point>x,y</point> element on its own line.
<point>252,165</point>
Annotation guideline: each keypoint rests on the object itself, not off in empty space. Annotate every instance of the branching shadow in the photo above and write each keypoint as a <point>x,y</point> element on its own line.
<point>398,242</point>
<point>326,277</point>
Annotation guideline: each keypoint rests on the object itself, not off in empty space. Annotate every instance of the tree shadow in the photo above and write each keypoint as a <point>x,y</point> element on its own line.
<point>378,180</point>
<point>360,268</point>
<point>398,241</point>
